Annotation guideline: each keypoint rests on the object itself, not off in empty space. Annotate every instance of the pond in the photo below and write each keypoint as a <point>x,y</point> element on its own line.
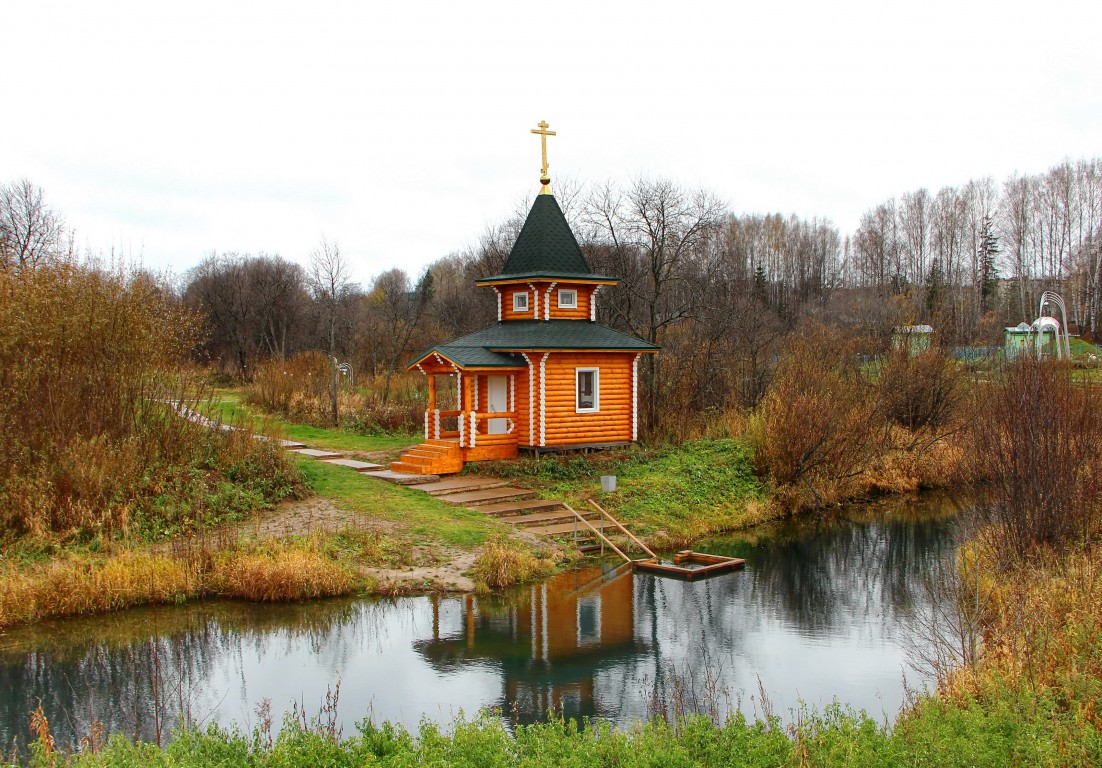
<point>823,611</point>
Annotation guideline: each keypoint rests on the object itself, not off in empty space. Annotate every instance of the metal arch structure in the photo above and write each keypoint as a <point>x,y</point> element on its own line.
<point>1063,343</point>
<point>346,370</point>
<point>343,369</point>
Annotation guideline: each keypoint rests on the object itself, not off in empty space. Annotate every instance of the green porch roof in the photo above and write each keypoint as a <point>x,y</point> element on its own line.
<point>491,346</point>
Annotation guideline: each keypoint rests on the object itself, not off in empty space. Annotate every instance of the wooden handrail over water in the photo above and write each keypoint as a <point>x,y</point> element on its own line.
<point>603,538</point>
<point>628,533</point>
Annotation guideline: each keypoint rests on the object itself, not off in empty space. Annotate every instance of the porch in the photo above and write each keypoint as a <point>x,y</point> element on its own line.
<point>481,425</point>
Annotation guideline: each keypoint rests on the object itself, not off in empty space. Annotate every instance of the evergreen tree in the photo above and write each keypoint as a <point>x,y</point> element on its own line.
<point>989,268</point>
<point>935,288</point>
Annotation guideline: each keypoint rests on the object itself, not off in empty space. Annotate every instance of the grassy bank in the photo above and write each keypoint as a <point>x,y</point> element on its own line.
<point>370,527</point>
<point>669,495</point>
<point>971,734</point>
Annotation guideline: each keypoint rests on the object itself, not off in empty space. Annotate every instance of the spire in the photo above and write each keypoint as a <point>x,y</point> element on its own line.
<point>545,180</point>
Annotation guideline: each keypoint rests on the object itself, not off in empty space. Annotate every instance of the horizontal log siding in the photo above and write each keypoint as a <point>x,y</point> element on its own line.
<point>585,296</point>
<point>520,406</point>
<point>507,312</point>
<point>609,425</point>
<point>585,293</point>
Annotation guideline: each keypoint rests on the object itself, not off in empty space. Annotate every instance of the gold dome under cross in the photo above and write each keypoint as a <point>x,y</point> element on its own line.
<point>545,180</point>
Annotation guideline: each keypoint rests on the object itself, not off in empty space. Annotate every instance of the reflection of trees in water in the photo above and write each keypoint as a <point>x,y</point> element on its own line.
<point>824,579</point>
<point>137,670</point>
<point>145,671</point>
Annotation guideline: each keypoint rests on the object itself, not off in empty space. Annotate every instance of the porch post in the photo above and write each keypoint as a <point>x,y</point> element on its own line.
<point>466,409</point>
<point>433,413</point>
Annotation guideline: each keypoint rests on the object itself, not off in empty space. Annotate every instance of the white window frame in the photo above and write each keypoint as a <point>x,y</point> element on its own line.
<point>521,297</point>
<point>596,390</point>
<point>573,304</point>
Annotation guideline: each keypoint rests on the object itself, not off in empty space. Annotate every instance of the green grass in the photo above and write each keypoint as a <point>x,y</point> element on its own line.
<point>1017,730</point>
<point>426,518</point>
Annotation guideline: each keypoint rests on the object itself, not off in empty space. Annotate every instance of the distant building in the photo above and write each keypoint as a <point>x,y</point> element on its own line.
<point>914,338</point>
<point>1041,338</point>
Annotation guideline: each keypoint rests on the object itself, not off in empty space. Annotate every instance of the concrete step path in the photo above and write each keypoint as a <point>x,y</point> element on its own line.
<point>359,466</point>
<point>315,453</point>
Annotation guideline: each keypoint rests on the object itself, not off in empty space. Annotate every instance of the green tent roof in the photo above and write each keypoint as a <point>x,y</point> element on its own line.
<point>546,248</point>
<point>491,346</point>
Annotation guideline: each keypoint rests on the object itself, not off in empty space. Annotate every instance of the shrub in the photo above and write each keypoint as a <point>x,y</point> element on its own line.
<point>922,391</point>
<point>1036,446</point>
<point>817,426</point>
<point>91,363</point>
<point>298,389</point>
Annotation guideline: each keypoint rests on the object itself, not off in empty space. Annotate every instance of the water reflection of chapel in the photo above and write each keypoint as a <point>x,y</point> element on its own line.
<point>549,643</point>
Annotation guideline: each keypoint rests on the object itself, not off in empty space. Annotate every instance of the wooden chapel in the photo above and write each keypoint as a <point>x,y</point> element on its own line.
<point>546,376</point>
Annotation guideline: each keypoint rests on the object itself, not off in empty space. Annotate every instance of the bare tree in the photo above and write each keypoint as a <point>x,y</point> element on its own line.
<point>400,308</point>
<point>331,284</point>
<point>30,231</point>
<point>652,234</point>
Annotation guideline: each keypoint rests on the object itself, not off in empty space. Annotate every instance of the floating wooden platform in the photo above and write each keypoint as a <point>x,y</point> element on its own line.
<point>690,565</point>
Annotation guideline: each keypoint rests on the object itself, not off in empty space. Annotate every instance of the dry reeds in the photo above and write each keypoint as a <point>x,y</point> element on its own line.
<point>280,571</point>
<point>76,586</point>
<point>504,562</point>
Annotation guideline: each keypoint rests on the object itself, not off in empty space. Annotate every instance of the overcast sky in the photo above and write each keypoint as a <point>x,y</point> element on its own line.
<point>401,129</point>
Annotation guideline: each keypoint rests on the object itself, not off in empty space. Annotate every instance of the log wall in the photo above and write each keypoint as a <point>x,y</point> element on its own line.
<point>585,296</point>
<point>612,423</point>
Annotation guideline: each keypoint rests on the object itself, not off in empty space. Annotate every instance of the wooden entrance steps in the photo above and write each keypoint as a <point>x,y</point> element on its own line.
<point>432,457</point>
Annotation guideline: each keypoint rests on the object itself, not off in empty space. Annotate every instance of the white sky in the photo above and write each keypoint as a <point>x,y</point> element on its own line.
<point>401,130</point>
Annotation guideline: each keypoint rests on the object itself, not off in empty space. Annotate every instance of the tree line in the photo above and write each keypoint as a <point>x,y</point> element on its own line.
<point>717,289</point>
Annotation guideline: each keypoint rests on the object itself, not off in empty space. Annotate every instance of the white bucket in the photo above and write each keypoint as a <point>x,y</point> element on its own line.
<point>608,483</point>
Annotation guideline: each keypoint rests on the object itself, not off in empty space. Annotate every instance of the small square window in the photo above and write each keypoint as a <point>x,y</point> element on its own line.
<point>568,298</point>
<point>520,301</point>
<point>588,389</point>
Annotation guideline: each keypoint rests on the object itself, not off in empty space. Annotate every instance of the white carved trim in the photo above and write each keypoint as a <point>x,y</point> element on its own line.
<point>593,304</point>
<point>635,398</point>
<point>436,421</point>
<point>476,377</point>
<point>547,301</point>
<point>426,425</point>
<point>422,370</point>
<point>543,398</point>
<point>536,303</point>
<point>474,429</point>
<point>498,292</point>
<point>531,400</point>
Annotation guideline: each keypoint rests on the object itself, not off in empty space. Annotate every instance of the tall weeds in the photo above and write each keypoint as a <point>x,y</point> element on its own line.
<point>90,361</point>
<point>298,389</point>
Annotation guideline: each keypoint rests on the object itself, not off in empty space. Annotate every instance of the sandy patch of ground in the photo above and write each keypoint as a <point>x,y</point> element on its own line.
<point>437,568</point>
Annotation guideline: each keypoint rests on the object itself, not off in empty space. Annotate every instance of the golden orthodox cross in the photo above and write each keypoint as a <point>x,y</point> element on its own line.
<point>544,133</point>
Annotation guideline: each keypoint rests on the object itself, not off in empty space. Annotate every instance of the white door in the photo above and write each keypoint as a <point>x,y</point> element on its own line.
<point>497,401</point>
